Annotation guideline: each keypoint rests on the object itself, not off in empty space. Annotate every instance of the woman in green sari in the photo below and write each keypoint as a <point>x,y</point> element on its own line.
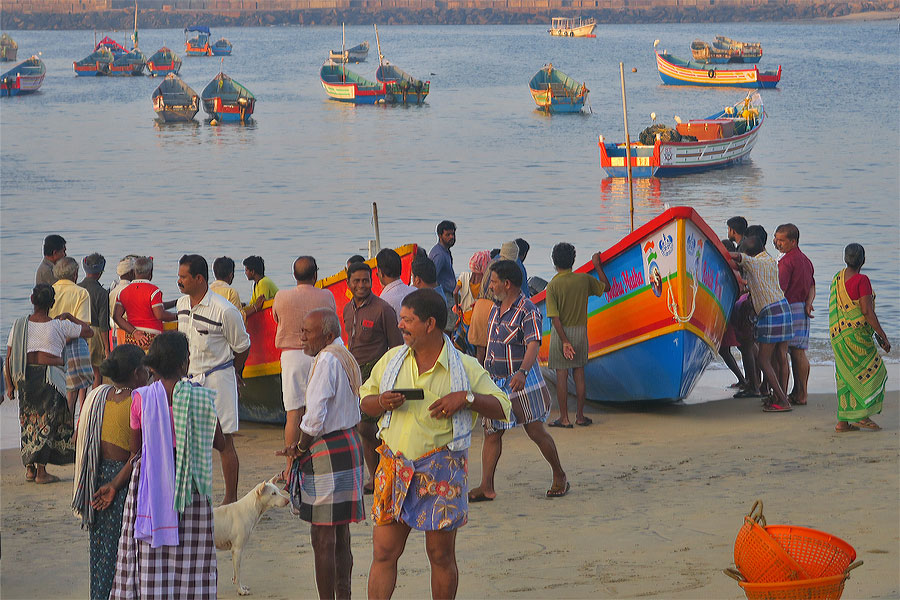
<point>858,369</point>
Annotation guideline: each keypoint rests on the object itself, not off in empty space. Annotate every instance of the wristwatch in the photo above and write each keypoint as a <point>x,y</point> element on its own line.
<point>470,398</point>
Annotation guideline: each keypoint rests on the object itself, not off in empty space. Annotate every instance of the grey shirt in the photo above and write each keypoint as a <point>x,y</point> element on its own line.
<point>44,273</point>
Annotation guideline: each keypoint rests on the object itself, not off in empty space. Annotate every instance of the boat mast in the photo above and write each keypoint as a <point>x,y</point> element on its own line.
<point>344,57</point>
<point>134,36</point>
<point>378,45</point>
<point>627,147</point>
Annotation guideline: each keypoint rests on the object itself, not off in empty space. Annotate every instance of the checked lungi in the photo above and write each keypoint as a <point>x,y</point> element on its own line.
<point>530,404</point>
<point>800,323</point>
<point>774,323</point>
<point>77,358</point>
<point>326,484</point>
<point>183,572</point>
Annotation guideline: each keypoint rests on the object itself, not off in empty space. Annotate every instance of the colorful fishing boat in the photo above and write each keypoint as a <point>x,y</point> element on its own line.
<point>356,54</point>
<point>129,64</point>
<point>400,86</point>
<point>572,27</point>
<point>25,78</point>
<point>9,49</point>
<point>675,71</point>
<point>198,45</point>
<point>163,62</point>
<point>260,398</point>
<point>652,334</point>
<point>227,101</point>
<point>555,92</point>
<point>112,45</point>
<point>96,63</point>
<point>722,139</point>
<point>344,85</point>
<point>222,47</point>
<point>726,50</point>
<point>174,101</point>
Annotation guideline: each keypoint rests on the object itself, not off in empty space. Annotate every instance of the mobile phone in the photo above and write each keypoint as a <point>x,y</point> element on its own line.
<point>411,393</point>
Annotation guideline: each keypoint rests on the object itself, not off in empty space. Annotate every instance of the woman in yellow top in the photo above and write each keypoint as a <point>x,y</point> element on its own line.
<point>102,465</point>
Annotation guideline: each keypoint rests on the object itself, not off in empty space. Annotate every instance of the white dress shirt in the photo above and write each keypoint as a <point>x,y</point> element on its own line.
<point>394,293</point>
<point>215,331</point>
<point>330,403</point>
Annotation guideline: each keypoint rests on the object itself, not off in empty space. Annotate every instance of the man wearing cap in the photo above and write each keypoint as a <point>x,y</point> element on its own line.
<point>94,265</point>
<point>125,271</point>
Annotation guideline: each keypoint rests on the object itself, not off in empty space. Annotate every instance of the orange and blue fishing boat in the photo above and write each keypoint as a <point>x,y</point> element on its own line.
<point>676,71</point>
<point>652,334</point>
<point>163,62</point>
<point>197,45</point>
<point>96,63</point>
<point>25,78</point>
<point>260,398</point>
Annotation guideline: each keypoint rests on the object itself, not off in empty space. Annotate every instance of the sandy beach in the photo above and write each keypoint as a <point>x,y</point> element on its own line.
<point>658,495</point>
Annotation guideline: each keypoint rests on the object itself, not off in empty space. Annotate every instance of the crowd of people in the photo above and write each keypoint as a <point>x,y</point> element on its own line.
<point>387,409</point>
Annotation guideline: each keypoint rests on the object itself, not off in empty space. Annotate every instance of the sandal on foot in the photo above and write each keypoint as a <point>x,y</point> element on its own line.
<point>747,394</point>
<point>868,424</point>
<point>479,498</point>
<point>849,427</point>
<point>552,493</point>
<point>587,421</point>
<point>777,408</point>
<point>558,423</point>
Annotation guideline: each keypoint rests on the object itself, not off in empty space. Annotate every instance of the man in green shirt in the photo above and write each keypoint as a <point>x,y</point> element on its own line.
<point>567,299</point>
<point>263,287</point>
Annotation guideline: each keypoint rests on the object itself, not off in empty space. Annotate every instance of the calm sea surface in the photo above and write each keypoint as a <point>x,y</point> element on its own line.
<point>85,157</point>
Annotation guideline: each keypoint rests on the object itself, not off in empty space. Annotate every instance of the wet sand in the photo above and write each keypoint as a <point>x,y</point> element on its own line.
<point>658,495</point>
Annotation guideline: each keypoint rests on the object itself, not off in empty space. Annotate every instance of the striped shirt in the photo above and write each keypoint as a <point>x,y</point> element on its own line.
<point>215,331</point>
<point>508,335</point>
<point>761,272</point>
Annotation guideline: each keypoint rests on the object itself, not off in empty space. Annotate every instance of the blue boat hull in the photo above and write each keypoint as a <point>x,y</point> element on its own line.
<point>217,52</point>
<point>88,73</point>
<point>644,172</point>
<point>669,80</point>
<point>563,107</point>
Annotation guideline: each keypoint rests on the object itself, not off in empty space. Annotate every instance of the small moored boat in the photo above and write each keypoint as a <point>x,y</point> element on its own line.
<point>112,45</point>
<point>163,62</point>
<point>555,92</point>
<point>227,101</point>
<point>9,49</point>
<point>719,140</point>
<point>222,47</point>
<point>128,64</point>
<point>675,71</point>
<point>174,101</point>
<point>725,50</point>
<point>400,86</point>
<point>197,45</point>
<point>652,334</point>
<point>344,85</point>
<point>96,63</point>
<point>25,78</point>
<point>356,54</point>
<point>572,27</point>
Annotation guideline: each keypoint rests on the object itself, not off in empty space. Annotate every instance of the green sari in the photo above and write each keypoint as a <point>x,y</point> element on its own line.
<point>858,369</point>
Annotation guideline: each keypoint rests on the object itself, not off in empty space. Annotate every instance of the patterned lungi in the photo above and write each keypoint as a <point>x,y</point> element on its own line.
<point>105,533</point>
<point>578,337</point>
<point>774,323</point>
<point>530,404</point>
<point>184,572</point>
<point>428,494</point>
<point>326,484</point>
<point>800,323</point>
<point>77,358</point>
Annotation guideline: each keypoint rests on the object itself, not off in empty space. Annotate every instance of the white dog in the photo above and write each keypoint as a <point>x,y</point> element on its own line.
<point>234,522</point>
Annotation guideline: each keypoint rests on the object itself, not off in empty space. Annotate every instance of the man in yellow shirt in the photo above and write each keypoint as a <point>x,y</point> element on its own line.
<point>263,288</point>
<point>74,300</point>
<point>223,269</point>
<point>427,396</point>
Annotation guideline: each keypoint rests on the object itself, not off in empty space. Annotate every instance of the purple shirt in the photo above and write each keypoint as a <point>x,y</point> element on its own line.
<point>795,275</point>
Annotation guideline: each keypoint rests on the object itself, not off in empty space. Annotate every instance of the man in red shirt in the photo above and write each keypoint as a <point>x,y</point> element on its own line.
<point>795,274</point>
<point>140,310</point>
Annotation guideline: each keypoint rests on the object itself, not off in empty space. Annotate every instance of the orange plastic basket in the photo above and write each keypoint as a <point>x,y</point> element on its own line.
<point>820,554</point>
<point>820,588</point>
<point>759,557</point>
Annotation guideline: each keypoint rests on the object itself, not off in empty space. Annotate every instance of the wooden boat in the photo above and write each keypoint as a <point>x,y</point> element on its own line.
<point>222,47</point>
<point>346,86</point>
<point>96,63</point>
<point>572,27</point>
<point>9,49</point>
<point>112,45</point>
<point>25,78</point>
<point>163,62</point>
<point>197,45</point>
<point>260,398</point>
<point>725,50</point>
<point>652,334</point>
<point>555,92</point>
<point>723,139</point>
<point>356,54</point>
<point>400,86</point>
<point>227,101</point>
<point>675,71</point>
<point>174,101</point>
<point>128,64</point>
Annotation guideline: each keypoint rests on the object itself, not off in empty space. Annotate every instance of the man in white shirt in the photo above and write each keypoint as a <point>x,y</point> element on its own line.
<point>219,345</point>
<point>393,290</point>
<point>327,473</point>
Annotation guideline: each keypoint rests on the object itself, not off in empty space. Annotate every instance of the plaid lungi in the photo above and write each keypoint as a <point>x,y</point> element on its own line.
<point>578,337</point>
<point>326,485</point>
<point>187,571</point>
<point>774,323</point>
<point>530,404</point>
<point>800,323</point>
<point>79,372</point>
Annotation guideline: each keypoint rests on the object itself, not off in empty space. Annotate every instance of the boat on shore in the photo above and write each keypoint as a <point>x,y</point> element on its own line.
<point>675,71</point>
<point>400,86</point>
<point>344,85</point>
<point>227,101</point>
<point>572,27</point>
<point>174,101</point>
<point>260,398</point>
<point>725,50</point>
<point>555,92</point>
<point>163,62</point>
<point>653,333</point>
<point>25,78</point>
<point>131,64</point>
<point>197,45</point>
<point>96,63</point>
<point>722,139</point>
<point>222,47</point>
<point>9,49</point>
<point>356,54</point>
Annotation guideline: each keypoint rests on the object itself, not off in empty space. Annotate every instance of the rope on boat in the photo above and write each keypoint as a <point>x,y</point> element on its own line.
<point>673,305</point>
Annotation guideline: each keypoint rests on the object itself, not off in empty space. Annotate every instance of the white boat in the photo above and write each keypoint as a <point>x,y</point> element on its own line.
<point>572,27</point>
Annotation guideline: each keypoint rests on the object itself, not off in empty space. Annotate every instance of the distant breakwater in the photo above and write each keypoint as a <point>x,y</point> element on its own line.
<point>106,14</point>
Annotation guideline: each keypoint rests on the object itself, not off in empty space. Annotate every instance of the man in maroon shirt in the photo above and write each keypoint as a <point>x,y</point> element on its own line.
<point>795,274</point>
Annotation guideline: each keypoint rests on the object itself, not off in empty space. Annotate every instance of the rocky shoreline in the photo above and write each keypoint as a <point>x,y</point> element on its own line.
<point>175,19</point>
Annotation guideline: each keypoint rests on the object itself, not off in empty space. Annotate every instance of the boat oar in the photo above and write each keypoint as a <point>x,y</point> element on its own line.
<point>627,147</point>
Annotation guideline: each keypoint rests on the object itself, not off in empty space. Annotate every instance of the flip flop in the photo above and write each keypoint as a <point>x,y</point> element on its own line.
<point>846,429</point>
<point>777,408</point>
<point>551,493</point>
<point>747,394</point>
<point>558,423</point>
<point>584,423</point>
<point>480,498</point>
<point>870,425</point>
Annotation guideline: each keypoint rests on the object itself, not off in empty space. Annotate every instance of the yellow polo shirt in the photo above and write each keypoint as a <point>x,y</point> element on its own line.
<point>264,287</point>
<point>72,299</point>
<point>227,292</point>
<point>413,431</point>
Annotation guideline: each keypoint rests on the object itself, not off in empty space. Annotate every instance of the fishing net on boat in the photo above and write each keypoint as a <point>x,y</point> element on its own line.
<point>666,134</point>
